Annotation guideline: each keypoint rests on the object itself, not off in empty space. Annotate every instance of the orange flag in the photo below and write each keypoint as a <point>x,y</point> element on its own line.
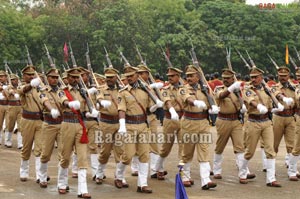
<point>286,54</point>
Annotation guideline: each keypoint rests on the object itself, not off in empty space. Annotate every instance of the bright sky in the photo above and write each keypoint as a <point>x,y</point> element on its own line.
<point>255,2</point>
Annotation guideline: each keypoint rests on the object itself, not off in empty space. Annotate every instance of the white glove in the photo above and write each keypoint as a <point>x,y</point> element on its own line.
<point>75,105</point>
<point>105,103</point>
<point>243,109</point>
<point>92,91</point>
<point>157,85</point>
<point>262,109</point>
<point>35,82</point>
<point>55,113</point>
<point>235,86</point>
<point>153,108</point>
<point>159,103</point>
<point>4,87</point>
<point>94,114</point>
<point>1,96</point>
<point>122,130</point>
<point>200,104</point>
<point>214,109</point>
<point>97,106</point>
<point>17,96</point>
<point>174,115</point>
<point>288,100</point>
<point>278,109</point>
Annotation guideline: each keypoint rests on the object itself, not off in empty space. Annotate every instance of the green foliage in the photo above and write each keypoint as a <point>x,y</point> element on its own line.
<point>153,24</point>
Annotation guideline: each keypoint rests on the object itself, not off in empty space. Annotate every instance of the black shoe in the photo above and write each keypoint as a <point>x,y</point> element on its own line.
<point>155,174</point>
<point>38,180</point>
<point>209,186</point>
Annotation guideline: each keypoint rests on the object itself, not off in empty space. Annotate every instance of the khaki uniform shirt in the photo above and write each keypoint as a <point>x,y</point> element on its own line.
<point>52,96</point>
<point>128,103</point>
<point>30,100</point>
<point>287,92</point>
<point>105,93</point>
<point>229,104</point>
<point>170,93</point>
<point>259,96</point>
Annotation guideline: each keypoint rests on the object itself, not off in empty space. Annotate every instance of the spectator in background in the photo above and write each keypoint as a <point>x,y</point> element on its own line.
<point>271,81</point>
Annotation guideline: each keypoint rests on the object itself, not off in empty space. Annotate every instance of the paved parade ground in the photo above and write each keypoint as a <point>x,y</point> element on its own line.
<point>12,188</point>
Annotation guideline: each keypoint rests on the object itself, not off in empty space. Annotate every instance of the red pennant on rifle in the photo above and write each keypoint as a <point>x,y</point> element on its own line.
<point>66,53</point>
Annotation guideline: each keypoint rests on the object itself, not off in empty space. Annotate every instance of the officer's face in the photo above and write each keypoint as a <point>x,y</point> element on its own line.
<point>110,81</point>
<point>101,81</point>
<point>144,75</point>
<point>27,77</point>
<point>52,80</point>
<point>85,78</point>
<point>227,81</point>
<point>192,79</point>
<point>73,80</point>
<point>125,81</point>
<point>3,78</point>
<point>173,79</point>
<point>283,78</point>
<point>132,78</point>
<point>256,80</point>
<point>14,82</point>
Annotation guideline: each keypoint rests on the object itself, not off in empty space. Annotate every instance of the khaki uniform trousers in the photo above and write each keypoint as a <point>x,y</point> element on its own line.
<point>13,115</point>
<point>50,134</point>
<point>192,132</point>
<point>153,124</point>
<point>296,148</point>
<point>70,136</point>
<point>92,127</point>
<point>284,126</point>
<point>110,140</point>
<point>136,142</point>
<point>3,111</point>
<point>31,132</point>
<point>229,129</point>
<point>256,130</point>
<point>171,128</point>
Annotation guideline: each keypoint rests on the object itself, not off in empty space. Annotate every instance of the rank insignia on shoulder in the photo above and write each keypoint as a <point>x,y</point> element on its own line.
<point>182,91</point>
<point>61,94</point>
<point>273,90</point>
<point>42,95</point>
<point>119,99</point>
<point>164,94</point>
<point>248,93</point>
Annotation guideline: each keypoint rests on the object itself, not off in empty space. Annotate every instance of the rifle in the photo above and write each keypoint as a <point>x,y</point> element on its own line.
<point>142,85</point>
<point>205,88</point>
<point>119,82</point>
<point>150,79</point>
<point>92,78</point>
<point>6,70</point>
<point>170,64</point>
<point>36,74</point>
<point>293,62</point>
<point>43,73</point>
<point>237,93</point>
<point>277,67</point>
<point>264,84</point>
<point>52,65</point>
<point>82,87</point>
<point>274,63</point>
<point>243,59</point>
<point>29,61</point>
<point>297,53</point>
